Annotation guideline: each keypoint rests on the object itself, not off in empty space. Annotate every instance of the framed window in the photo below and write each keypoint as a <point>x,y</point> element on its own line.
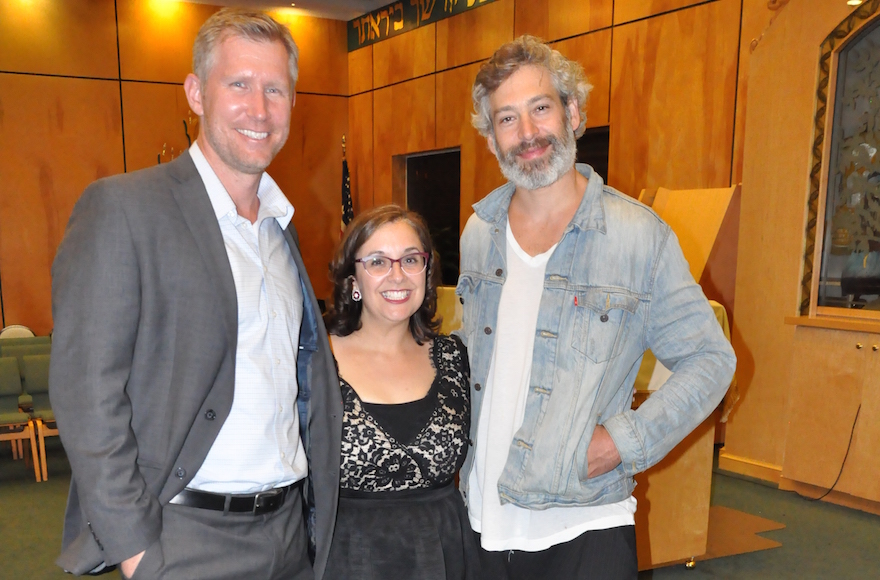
<point>842,253</point>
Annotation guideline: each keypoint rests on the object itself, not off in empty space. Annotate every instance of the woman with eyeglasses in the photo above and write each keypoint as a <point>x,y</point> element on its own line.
<point>406,404</point>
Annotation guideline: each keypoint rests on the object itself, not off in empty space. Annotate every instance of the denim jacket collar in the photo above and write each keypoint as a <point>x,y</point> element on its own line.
<point>589,215</point>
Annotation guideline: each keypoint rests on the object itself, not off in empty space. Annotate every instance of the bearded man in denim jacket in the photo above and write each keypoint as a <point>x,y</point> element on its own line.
<point>565,283</point>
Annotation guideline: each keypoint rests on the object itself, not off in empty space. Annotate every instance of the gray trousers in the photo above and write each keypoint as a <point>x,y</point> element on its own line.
<point>206,544</point>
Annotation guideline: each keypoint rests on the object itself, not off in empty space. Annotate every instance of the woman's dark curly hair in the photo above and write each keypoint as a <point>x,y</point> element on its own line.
<point>344,316</point>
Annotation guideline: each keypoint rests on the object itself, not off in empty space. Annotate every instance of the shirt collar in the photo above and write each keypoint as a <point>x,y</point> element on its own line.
<point>273,202</point>
<point>589,215</point>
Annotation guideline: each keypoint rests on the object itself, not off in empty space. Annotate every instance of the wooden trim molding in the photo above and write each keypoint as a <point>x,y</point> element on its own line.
<point>836,497</point>
<point>749,467</point>
<point>832,45</point>
<point>868,325</point>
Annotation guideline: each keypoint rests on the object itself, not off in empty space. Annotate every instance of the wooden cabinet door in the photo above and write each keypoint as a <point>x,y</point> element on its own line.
<point>828,370</point>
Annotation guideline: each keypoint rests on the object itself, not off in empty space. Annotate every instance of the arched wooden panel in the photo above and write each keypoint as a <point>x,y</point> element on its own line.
<point>756,17</point>
<point>154,116</point>
<point>404,57</point>
<point>57,135</point>
<point>673,81</point>
<point>630,10</point>
<point>593,51</point>
<point>456,42</point>
<point>74,37</point>
<point>156,38</point>
<point>555,19</point>
<point>775,187</point>
<point>403,122</point>
<point>479,168</point>
<point>309,171</point>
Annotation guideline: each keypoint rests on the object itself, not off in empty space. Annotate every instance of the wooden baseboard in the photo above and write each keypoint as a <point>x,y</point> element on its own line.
<point>835,497</point>
<point>749,467</point>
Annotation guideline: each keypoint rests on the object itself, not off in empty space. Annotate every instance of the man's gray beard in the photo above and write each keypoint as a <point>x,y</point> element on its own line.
<point>540,173</point>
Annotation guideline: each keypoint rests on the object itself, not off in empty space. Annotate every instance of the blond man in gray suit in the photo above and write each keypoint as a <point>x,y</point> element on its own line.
<point>191,375</point>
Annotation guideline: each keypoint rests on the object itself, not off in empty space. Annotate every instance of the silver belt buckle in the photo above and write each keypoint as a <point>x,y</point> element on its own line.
<point>266,501</point>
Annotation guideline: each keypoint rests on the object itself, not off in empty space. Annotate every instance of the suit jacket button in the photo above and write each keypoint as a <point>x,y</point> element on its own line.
<point>210,415</point>
<point>181,472</point>
<point>477,387</point>
<point>487,330</point>
<point>604,318</point>
<point>499,271</point>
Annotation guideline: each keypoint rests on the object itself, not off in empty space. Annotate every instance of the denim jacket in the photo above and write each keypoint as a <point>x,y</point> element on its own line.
<point>616,285</point>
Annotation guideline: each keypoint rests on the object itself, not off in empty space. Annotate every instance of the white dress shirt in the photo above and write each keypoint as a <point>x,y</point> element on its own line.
<point>258,447</point>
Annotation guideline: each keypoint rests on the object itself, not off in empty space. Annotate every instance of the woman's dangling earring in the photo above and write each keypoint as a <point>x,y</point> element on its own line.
<point>355,295</point>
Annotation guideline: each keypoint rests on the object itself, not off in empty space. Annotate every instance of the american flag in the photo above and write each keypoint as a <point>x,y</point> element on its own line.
<point>347,209</point>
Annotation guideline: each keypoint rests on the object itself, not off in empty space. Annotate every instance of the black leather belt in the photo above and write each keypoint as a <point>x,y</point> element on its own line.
<point>257,503</point>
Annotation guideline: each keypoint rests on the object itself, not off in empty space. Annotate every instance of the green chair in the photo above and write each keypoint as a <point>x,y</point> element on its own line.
<point>35,370</point>
<point>15,426</point>
<point>25,340</point>
<point>15,348</point>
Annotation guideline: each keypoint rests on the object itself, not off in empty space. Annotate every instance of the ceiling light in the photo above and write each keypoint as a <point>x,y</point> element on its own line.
<point>855,2</point>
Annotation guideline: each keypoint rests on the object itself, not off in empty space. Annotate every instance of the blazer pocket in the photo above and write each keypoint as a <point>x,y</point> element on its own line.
<point>600,322</point>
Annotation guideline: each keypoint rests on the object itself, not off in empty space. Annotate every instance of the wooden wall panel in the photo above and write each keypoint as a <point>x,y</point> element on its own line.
<point>323,52</point>
<point>456,42</point>
<point>360,70</point>
<point>756,17</point>
<point>153,122</point>
<point>555,19</point>
<point>360,150</point>
<point>404,57</point>
<point>672,123</point>
<point>57,135</point>
<point>156,38</point>
<point>593,51</point>
<point>74,37</point>
<point>403,122</point>
<point>309,171</point>
<point>479,168</point>
<point>776,168</point>
<point>629,10</point>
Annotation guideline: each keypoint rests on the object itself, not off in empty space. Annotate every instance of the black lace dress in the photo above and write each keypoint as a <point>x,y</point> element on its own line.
<point>400,516</point>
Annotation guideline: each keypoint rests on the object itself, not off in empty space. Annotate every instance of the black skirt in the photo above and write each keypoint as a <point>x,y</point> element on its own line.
<point>418,535</point>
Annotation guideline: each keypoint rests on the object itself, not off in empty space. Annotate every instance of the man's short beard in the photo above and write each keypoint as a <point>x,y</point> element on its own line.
<point>539,173</point>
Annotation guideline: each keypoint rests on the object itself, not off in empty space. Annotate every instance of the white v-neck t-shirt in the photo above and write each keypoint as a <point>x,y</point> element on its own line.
<point>510,527</point>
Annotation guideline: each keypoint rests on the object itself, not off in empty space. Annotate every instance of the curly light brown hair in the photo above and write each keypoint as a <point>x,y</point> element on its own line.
<point>568,78</point>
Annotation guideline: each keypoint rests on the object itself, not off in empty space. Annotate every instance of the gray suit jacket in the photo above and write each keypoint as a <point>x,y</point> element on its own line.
<point>143,361</point>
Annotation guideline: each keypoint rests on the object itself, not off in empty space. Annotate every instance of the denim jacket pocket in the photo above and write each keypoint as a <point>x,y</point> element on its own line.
<point>599,321</point>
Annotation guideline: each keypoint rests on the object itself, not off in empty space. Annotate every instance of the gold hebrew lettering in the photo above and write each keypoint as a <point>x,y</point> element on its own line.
<point>425,7</point>
<point>374,26</point>
<point>357,24</point>
<point>384,16</point>
<point>398,8</point>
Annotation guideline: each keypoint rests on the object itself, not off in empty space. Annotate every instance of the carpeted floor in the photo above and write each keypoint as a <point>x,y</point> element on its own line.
<point>819,540</point>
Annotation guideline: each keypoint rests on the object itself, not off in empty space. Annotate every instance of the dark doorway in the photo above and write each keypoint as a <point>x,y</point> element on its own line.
<point>592,149</point>
<point>433,189</point>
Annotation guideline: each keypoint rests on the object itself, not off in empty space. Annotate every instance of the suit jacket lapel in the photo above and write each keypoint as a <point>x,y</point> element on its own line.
<point>189,191</point>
